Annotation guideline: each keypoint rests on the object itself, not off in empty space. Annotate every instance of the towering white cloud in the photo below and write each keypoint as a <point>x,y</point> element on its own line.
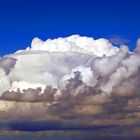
<point>73,75</point>
<point>55,62</point>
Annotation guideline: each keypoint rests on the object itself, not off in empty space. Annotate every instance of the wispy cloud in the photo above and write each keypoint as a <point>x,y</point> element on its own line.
<point>118,40</point>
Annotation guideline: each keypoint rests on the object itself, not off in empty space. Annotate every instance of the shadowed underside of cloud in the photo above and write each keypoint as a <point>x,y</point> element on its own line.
<point>74,80</point>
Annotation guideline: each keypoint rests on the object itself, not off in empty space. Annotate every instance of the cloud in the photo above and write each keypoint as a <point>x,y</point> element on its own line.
<point>76,80</point>
<point>118,40</point>
<point>6,64</point>
<point>74,43</point>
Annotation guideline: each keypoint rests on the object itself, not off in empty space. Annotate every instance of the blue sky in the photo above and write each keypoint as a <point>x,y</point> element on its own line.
<point>22,20</point>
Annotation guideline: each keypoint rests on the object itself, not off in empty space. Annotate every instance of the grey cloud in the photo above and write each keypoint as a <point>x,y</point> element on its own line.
<point>118,40</point>
<point>7,63</point>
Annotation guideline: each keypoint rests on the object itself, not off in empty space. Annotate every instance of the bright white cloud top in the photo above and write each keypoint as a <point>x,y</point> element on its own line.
<point>75,43</point>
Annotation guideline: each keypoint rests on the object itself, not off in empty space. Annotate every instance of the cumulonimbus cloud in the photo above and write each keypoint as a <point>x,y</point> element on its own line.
<point>77,77</point>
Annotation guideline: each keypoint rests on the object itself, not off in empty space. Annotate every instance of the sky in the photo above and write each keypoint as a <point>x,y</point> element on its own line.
<point>21,21</point>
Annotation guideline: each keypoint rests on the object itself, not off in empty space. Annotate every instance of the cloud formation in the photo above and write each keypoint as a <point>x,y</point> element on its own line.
<point>75,80</point>
<point>118,40</point>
